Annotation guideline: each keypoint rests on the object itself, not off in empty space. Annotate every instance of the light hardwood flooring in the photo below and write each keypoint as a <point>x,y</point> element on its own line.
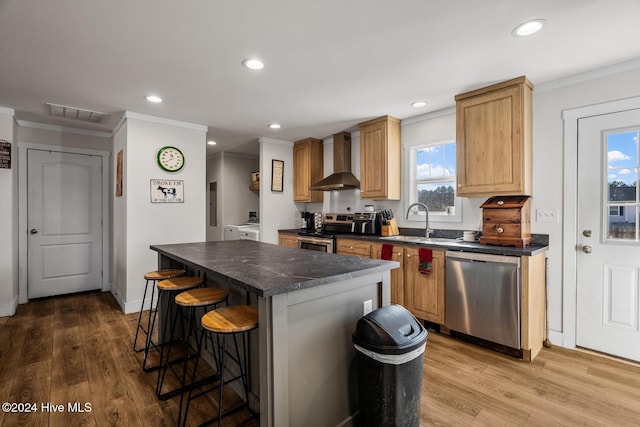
<point>77,348</point>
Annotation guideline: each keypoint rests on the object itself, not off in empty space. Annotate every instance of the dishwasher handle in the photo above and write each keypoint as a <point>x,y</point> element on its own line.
<point>478,257</point>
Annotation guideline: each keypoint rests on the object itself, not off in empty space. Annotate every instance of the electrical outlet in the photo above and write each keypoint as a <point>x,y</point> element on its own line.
<point>367,307</point>
<point>547,215</point>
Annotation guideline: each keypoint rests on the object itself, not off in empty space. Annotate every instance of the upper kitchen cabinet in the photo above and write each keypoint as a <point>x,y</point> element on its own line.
<point>308,168</point>
<point>493,140</point>
<point>380,159</point>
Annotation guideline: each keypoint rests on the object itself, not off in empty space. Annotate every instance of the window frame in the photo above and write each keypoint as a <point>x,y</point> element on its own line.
<point>411,192</point>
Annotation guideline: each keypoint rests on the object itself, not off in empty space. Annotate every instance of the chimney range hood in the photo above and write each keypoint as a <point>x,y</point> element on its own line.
<point>341,178</point>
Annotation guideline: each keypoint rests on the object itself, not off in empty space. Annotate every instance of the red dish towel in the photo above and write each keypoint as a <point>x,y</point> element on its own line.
<point>387,252</point>
<point>426,256</point>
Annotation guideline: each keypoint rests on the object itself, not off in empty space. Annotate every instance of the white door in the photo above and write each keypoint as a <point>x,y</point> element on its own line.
<point>608,261</point>
<point>64,196</point>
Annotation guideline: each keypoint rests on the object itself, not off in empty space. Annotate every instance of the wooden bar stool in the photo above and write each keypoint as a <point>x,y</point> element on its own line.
<point>188,302</point>
<point>228,322</point>
<point>152,277</point>
<point>177,284</point>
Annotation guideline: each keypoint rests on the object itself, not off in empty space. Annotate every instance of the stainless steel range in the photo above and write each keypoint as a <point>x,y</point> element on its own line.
<point>324,239</point>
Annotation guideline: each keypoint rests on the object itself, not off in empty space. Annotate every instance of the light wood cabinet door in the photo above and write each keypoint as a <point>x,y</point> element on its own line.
<point>354,248</point>
<point>288,239</point>
<point>397,274</point>
<point>308,168</point>
<point>380,159</point>
<point>424,293</point>
<point>493,140</point>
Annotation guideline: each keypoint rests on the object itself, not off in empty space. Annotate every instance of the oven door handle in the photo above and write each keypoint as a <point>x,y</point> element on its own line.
<point>313,240</point>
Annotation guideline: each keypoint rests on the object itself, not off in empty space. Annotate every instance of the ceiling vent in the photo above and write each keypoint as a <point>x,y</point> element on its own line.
<point>73,113</point>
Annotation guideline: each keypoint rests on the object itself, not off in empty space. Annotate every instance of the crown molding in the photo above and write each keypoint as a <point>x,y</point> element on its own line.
<point>7,111</point>
<point>163,121</point>
<point>55,128</point>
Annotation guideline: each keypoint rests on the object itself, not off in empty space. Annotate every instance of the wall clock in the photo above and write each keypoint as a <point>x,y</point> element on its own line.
<point>170,159</point>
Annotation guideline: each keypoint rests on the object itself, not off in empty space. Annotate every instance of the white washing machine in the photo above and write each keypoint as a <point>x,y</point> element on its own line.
<point>242,231</point>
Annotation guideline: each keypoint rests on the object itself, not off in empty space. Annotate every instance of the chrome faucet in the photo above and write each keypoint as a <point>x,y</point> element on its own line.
<point>427,230</point>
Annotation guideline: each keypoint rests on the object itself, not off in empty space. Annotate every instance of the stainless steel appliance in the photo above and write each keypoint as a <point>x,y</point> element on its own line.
<point>483,296</point>
<point>367,223</point>
<point>324,238</point>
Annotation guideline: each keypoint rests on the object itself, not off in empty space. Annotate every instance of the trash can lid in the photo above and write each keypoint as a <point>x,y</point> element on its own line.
<point>389,330</point>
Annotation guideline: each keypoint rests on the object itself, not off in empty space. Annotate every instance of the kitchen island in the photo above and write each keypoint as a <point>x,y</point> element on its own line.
<point>309,303</point>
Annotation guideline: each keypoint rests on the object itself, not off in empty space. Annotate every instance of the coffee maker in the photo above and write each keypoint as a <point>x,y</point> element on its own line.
<point>308,221</point>
<point>369,223</point>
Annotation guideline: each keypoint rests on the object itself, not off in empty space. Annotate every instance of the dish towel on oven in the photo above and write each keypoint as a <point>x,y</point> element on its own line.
<point>387,252</point>
<point>426,256</point>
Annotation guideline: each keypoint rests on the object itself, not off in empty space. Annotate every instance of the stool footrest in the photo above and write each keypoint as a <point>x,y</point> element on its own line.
<point>204,381</point>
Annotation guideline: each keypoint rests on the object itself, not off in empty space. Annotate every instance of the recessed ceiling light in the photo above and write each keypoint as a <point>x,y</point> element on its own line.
<point>211,142</point>
<point>528,28</point>
<point>418,104</point>
<point>274,126</point>
<point>153,98</point>
<point>253,64</point>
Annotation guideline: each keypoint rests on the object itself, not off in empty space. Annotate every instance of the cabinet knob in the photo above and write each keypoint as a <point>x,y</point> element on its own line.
<point>500,230</point>
<point>500,202</point>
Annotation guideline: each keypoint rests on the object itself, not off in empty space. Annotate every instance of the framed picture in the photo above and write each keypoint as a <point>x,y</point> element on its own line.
<point>167,191</point>
<point>277,175</point>
<point>119,174</point>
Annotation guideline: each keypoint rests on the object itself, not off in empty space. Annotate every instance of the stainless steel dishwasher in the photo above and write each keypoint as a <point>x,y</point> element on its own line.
<point>483,296</point>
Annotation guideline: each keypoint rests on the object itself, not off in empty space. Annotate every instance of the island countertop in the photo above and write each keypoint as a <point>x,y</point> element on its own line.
<point>266,269</point>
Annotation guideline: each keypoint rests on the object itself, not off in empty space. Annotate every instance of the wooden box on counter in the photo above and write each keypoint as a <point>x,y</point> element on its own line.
<point>506,221</point>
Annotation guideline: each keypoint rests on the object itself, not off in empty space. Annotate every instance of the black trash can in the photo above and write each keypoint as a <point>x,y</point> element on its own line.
<point>390,345</point>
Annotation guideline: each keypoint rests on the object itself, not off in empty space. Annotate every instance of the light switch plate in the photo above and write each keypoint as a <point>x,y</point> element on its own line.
<point>547,215</point>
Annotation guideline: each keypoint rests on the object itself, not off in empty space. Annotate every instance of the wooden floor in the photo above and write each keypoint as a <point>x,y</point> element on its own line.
<point>78,349</point>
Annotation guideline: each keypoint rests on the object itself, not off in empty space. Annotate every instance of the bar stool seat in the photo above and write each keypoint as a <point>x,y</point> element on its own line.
<point>225,322</point>
<point>154,277</point>
<point>188,302</point>
<point>176,284</point>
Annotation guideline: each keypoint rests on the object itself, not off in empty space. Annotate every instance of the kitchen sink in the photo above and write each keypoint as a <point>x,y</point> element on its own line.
<point>420,239</point>
<point>402,238</point>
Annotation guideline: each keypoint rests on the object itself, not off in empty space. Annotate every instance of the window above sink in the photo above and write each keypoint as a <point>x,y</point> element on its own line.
<point>432,181</point>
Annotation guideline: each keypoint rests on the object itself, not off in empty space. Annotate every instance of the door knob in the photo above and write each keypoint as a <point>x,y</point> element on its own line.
<point>33,231</point>
<point>586,249</point>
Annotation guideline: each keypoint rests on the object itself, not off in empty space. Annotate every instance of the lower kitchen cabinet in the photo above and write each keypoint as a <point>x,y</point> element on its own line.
<point>288,239</point>
<point>354,248</point>
<point>397,275</point>
<point>424,293</point>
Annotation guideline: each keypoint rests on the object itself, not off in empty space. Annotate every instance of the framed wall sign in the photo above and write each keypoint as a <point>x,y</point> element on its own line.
<point>167,191</point>
<point>277,175</point>
<point>5,154</point>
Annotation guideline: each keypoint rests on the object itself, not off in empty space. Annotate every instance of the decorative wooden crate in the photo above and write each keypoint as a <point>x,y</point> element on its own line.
<point>506,221</point>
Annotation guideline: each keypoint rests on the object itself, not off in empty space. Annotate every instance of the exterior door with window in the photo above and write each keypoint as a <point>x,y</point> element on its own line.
<point>64,196</point>
<point>608,261</point>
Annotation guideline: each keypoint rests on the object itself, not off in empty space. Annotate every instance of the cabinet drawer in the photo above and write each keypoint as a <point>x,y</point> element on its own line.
<point>502,215</point>
<point>354,248</point>
<point>502,230</point>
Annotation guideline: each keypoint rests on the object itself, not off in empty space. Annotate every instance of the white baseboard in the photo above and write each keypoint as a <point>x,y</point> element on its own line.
<point>9,309</point>
<point>129,307</point>
<point>557,338</point>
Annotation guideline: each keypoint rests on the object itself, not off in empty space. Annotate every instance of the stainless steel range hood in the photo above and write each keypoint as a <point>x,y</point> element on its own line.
<point>341,178</point>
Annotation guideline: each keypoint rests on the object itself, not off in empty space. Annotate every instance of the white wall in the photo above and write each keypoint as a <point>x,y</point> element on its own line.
<point>9,220</point>
<point>119,218</point>
<point>277,209</point>
<point>149,223</point>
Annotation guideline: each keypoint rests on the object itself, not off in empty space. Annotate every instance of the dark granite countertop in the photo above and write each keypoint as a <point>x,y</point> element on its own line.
<point>538,245</point>
<point>266,269</point>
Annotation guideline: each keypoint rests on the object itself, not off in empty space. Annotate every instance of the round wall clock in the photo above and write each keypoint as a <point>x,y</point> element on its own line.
<point>170,159</point>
